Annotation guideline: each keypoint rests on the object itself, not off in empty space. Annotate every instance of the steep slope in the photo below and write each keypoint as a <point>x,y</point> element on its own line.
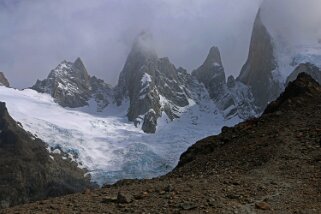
<point>266,165</point>
<point>258,71</point>
<point>27,171</point>
<point>3,80</point>
<point>71,86</point>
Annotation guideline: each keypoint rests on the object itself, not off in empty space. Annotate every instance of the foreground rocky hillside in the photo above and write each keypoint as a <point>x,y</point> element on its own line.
<point>28,172</point>
<point>266,165</point>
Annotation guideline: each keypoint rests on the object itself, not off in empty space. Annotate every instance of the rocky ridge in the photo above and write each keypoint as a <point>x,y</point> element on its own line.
<point>265,165</point>
<point>152,86</point>
<point>71,86</point>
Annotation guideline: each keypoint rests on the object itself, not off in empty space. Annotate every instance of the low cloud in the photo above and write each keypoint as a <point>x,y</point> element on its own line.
<point>38,34</point>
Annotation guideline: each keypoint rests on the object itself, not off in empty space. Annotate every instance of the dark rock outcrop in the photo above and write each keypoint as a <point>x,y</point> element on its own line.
<point>233,98</point>
<point>312,70</point>
<point>211,73</point>
<point>27,171</point>
<point>71,86</point>
<point>295,93</point>
<point>3,80</point>
<point>150,83</point>
<point>257,72</point>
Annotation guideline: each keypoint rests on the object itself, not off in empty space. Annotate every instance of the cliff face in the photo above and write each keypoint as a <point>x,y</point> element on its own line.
<point>257,72</point>
<point>211,73</point>
<point>27,171</point>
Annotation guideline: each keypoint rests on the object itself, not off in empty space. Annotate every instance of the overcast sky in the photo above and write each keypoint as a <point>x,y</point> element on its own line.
<point>36,35</point>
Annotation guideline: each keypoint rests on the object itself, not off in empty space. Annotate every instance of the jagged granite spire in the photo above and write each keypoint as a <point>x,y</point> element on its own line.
<point>232,98</point>
<point>80,70</point>
<point>146,78</point>
<point>211,73</point>
<point>257,71</point>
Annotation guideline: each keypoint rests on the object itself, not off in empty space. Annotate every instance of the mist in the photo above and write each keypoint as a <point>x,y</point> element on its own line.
<point>36,35</point>
<point>293,22</point>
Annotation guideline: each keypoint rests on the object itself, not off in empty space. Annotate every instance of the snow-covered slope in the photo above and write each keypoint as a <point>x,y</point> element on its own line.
<point>105,143</point>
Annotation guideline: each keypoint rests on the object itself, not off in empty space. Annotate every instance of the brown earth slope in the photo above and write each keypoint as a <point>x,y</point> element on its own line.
<point>267,165</point>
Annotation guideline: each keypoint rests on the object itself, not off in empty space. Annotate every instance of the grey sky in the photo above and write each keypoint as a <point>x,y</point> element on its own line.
<point>36,35</point>
<point>294,22</point>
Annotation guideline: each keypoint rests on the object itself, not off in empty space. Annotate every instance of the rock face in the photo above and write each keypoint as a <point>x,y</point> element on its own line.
<point>211,73</point>
<point>27,171</point>
<point>151,84</point>
<point>312,70</point>
<point>257,72</point>
<point>71,86</point>
<point>233,97</point>
<point>294,94</point>
<point>3,80</point>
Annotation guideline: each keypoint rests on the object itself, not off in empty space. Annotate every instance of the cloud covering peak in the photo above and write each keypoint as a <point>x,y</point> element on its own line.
<point>36,35</point>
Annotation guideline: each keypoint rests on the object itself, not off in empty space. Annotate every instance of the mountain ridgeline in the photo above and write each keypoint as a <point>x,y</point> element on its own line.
<point>153,87</point>
<point>269,164</point>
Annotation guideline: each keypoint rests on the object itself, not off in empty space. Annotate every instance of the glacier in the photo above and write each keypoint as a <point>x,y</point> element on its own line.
<point>105,143</point>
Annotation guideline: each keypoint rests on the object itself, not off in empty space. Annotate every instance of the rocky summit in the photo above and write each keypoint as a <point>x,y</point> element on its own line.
<point>71,86</point>
<point>154,85</point>
<point>258,70</point>
<point>28,172</point>
<point>270,164</point>
<point>232,97</point>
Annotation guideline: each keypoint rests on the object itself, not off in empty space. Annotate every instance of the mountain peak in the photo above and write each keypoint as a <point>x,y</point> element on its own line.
<point>261,62</point>
<point>79,67</point>
<point>211,73</point>
<point>214,57</point>
<point>78,62</point>
<point>144,44</point>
